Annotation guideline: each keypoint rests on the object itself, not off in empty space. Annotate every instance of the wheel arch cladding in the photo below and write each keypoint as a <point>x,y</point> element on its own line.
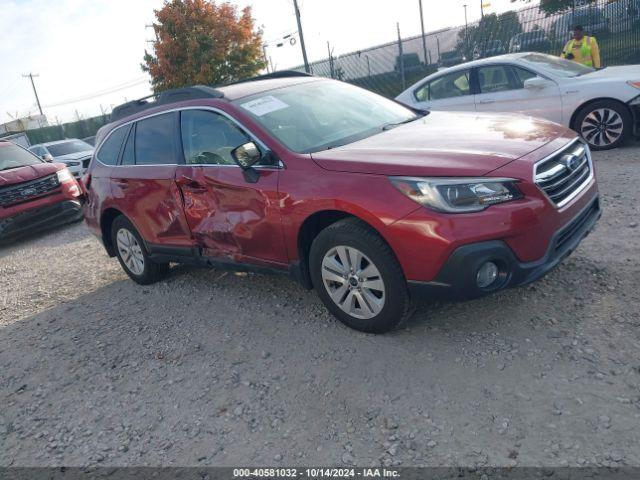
<point>313,225</point>
<point>106,220</point>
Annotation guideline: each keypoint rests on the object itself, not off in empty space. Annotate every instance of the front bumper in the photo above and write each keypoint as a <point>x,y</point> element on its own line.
<point>457,278</point>
<point>37,219</point>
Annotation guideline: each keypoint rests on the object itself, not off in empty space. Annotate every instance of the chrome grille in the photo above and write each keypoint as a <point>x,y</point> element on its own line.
<point>565,173</point>
<point>22,192</point>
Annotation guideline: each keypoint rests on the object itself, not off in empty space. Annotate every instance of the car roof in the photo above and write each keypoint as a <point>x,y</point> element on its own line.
<point>56,142</point>
<point>507,57</point>
<point>245,89</point>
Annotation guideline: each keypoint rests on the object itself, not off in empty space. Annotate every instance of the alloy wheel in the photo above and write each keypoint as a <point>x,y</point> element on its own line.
<point>130,251</point>
<point>353,282</point>
<point>602,127</point>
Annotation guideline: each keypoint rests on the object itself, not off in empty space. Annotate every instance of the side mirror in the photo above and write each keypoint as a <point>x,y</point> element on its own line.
<point>536,83</point>
<point>47,157</point>
<point>246,155</point>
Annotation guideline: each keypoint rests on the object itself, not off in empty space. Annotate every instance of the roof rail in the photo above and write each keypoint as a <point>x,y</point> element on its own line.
<point>279,74</point>
<point>168,96</point>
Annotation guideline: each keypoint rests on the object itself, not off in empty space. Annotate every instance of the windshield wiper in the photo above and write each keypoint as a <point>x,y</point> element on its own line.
<point>389,126</point>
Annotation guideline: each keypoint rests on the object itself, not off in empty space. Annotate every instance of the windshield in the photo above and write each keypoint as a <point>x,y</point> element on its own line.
<point>65,148</point>
<point>556,66</point>
<point>315,116</point>
<point>12,156</point>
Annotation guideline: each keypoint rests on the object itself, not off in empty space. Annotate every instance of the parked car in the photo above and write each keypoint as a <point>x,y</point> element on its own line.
<point>34,194</point>
<point>449,59</point>
<point>74,153</point>
<point>410,61</point>
<point>602,105</point>
<point>533,41</point>
<point>351,193</point>
<point>590,17</point>
<point>490,48</point>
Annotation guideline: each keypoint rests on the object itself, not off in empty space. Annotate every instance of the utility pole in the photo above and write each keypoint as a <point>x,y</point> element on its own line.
<point>30,76</point>
<point>466,29</point>
<point>331,69</point>
<point>304,50</point>
<point>264,54</point>
<point>481,9</point>
<point>424,40</point>
<point>401,58</point>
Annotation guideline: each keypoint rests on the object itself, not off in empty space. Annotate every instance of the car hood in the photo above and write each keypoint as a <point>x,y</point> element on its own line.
<point>444,144</point>
<point>74,156</point>
<point>29,172</point>
<point>625,73</point>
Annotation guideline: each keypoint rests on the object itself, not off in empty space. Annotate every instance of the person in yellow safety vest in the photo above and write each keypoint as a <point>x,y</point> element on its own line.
<point>582,49</point>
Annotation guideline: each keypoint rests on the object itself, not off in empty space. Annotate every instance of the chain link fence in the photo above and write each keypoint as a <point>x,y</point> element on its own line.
<point>79,129</point>
<point>390,68</point>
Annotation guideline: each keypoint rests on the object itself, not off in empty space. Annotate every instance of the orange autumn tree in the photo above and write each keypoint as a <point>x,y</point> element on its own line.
<point>201,42</point>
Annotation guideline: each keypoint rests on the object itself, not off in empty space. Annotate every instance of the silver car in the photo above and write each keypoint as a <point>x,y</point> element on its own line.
<point>74,153</point>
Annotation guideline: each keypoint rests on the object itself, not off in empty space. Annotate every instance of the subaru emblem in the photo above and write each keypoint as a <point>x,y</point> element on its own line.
<point>570,161</point>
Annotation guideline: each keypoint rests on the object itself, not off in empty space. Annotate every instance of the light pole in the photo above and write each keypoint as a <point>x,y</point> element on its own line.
<point>424,40</point>
<point>304,50</point>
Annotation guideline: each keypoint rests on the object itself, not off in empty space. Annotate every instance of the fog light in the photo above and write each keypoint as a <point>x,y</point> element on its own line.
<point>487,274</point>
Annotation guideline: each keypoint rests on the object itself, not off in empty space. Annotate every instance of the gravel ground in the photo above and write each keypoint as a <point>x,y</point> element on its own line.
<point>215,368</point>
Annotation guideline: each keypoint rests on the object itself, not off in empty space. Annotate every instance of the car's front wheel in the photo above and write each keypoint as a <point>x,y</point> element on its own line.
<point>358,278</point>
<point>132,254</point>
<point>604,124</point>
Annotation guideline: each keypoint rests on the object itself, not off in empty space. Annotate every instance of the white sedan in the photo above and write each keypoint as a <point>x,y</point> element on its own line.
<point>602,105</point>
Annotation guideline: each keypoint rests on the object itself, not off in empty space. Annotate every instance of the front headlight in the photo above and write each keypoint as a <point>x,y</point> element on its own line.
<point>64,175</point>
<point>635,84</point>
<point>458,195</point>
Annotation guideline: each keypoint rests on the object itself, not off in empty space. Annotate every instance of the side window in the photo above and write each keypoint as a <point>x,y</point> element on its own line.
<point>448,86</point>
<point>494,79</point>
<point>128,156</point>
<point>208,138</point>
<point>110,148</point>
<point>154,140</point>
<point>520,75</point>
<point>422,93</point>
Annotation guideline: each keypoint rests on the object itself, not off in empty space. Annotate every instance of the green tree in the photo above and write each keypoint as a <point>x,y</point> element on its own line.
<point>201,42</point>
<point>554,6</point>
<point>490,27</point>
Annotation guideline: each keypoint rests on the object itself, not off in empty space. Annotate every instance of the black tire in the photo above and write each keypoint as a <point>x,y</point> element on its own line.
<point>598,140</point>
<point>357,235</point>
<point>151,271</point>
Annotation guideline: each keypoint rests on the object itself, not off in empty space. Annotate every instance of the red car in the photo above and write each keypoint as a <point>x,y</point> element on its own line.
<point>352,194</point>
<point>34,194</point>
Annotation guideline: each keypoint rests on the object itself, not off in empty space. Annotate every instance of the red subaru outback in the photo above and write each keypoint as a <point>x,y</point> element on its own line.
<point>352,194</point>
<point>34,194</point>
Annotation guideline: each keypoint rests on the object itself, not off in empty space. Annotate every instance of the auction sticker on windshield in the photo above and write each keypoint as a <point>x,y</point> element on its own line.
<point>263,105</point>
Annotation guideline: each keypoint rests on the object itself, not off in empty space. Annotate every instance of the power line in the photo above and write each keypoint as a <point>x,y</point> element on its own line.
<point>100,93</point>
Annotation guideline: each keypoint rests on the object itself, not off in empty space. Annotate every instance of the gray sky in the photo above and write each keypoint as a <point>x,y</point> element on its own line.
<point>93,48</point>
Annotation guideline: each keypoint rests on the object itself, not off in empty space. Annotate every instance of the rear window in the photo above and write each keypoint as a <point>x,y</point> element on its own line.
<point>66,148</point>
<point>110,149</point>
<point>155,137</point>
<point>12,156</point>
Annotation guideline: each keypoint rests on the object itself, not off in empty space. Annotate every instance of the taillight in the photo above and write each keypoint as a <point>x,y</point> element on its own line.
<point>85,182</point>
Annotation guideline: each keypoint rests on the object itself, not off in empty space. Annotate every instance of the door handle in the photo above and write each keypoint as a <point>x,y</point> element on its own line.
<point>485,102</point>
<point>191,184</point>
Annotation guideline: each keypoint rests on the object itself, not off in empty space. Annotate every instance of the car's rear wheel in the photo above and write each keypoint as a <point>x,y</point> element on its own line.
<point>604,124</point>
<point>358,278</point>
<point>132,254</point>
